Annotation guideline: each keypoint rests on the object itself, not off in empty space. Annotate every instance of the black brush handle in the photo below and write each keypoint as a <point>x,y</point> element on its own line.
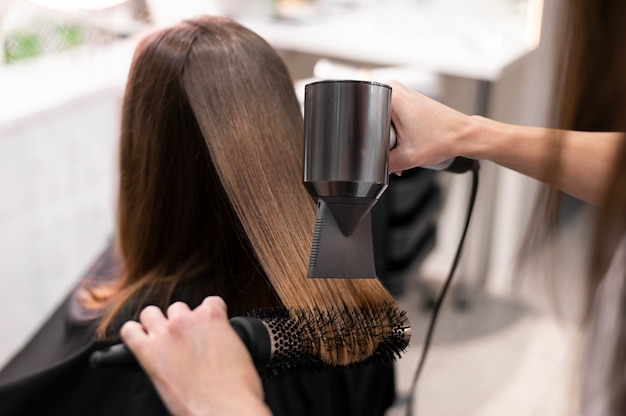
<point>252,331</point>
<point>256,337</point>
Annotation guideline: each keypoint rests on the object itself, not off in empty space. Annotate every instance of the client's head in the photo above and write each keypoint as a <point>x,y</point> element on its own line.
<point>211,181</point>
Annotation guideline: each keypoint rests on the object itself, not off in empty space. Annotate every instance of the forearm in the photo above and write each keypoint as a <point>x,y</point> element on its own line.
<point>577,163</point>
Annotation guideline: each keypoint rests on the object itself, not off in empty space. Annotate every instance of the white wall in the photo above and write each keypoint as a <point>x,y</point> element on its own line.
<point>57,180</point>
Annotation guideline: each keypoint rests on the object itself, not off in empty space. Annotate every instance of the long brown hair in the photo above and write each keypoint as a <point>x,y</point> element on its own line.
<point>595,99</point>
<point>211,194</point>
<point>591,96</point>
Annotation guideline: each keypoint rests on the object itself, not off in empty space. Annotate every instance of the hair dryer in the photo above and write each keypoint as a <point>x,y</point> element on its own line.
<point>346,153</point>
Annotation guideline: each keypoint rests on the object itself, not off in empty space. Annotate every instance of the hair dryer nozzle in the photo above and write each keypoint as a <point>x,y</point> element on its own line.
<point>346,250</point>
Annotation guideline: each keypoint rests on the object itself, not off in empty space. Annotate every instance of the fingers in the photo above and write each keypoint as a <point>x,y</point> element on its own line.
<point>215,307</point>
<point>397,156</point>
<point>135,334</point>
<point>177,309</point>
<point>400,158</point>
<point>152,319</point>
<point>132,332</point>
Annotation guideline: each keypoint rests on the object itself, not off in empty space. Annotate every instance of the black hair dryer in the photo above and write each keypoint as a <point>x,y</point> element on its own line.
<point>346,154</point>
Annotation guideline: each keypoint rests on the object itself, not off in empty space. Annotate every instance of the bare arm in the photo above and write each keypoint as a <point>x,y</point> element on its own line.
<point>429,132</point>
<point>584,159</point>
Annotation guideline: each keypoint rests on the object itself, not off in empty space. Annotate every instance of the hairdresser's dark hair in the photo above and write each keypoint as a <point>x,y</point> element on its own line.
<point>211,192</point>
<point>591,96</point>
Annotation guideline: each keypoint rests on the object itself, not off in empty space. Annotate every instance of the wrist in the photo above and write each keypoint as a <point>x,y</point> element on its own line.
<point>473,141</point>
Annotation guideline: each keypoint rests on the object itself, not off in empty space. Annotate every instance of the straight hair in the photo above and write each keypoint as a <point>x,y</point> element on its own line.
<point>591,96</point>
<point>211,191</point>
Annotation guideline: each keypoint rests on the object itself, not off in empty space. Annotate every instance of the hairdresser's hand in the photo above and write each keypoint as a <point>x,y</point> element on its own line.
<point>195,359</point>
<point>428,132</point>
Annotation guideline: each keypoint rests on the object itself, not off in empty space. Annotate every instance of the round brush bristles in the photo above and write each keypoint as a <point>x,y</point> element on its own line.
<point>305,341</point>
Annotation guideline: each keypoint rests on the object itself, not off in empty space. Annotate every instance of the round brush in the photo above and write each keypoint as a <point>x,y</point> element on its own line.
<point>281,342</point>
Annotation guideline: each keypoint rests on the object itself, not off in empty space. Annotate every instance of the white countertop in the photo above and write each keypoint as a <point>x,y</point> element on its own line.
<point>34,86</point>
<point>453,41</point>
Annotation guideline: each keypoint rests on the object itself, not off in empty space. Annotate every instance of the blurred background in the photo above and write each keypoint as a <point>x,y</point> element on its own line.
<point>500,347</point>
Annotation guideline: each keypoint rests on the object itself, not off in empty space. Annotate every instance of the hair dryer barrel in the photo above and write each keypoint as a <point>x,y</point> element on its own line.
<point>346,126</point>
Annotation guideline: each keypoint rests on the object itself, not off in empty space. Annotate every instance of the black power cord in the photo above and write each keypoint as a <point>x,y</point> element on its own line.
<point>437,305</point>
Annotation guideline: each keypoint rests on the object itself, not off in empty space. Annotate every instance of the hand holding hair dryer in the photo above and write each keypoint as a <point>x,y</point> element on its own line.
<point>347,137</point>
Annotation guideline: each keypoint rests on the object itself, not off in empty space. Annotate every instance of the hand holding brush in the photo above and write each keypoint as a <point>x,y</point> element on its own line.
<point>195,360</point>
<point>280,342</point>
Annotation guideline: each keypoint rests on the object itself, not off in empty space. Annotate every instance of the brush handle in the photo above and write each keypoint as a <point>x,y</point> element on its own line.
<point>252,332</point>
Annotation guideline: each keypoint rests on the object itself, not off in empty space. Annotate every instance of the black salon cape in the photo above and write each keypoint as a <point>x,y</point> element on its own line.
<point>51,375</point>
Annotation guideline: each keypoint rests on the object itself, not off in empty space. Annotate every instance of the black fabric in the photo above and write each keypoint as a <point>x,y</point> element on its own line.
<point>367,391</point>
<point>51,375</point>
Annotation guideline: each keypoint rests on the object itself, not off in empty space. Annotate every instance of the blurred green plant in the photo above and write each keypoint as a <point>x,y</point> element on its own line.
<point>42,39</point>
<point>21,45</point>
<point>69,36</point>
